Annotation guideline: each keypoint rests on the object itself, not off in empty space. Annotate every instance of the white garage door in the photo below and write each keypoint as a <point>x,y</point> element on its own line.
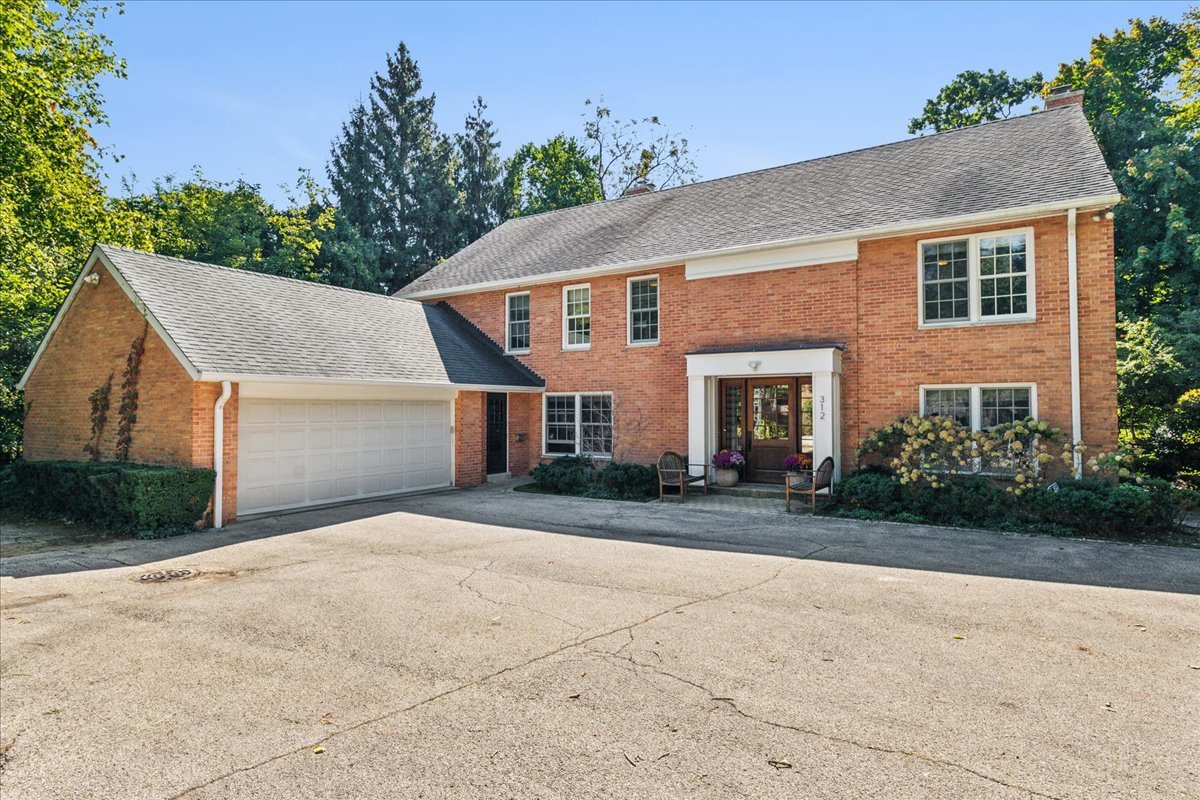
<point>303,452</point>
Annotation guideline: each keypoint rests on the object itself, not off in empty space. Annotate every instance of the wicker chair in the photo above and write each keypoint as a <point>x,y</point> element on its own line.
<point>673,471</point>
<point>810,482</point>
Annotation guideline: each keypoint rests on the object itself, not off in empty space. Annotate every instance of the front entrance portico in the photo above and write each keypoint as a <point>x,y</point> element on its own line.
<point>774,385</point>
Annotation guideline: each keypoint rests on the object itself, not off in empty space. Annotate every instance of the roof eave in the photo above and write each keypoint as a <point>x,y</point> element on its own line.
<point>877,232</point>
<point>251,377</point>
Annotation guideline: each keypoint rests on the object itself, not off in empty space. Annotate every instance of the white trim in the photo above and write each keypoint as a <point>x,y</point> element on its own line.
<point>1029,212</point>
<point>799,255</point>
<point>974,312</point>
<point>629,310</point>
<point>98,255</point>
<point>573,287</point>
<point>769,362</point>
<point>1073,305</point>
<point>976,400</point>
<point>507,322</point>
<point>250,377</point>
<point>578,424</point>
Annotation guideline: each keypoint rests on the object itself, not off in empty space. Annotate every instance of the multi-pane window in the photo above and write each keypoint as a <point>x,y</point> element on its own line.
<point>979,407</point>
<point>952,403</point>
<point>577,317</point>
<point>947,283</point>
<point>560,424</point>
<point>643,310</point>
<point>1002,405</point>
<point>980,278</point>
<point>1002,277</point>
<point>579,424</point>
<point>517,316</point>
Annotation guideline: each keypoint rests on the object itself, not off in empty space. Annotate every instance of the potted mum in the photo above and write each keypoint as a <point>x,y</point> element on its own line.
<point>797,462</point>
<point>727,463</point>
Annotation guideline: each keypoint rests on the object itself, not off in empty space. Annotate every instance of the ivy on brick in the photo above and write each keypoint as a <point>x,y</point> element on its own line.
<point>99,401</point>
<point>127,411</point>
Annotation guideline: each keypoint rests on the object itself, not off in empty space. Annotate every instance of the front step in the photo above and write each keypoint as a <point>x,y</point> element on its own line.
<point>770,491</point>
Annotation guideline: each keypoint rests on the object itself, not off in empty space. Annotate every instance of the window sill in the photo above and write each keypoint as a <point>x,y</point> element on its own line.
<point>973,323</point>
<point>642,344</point>
<point>577,455</point>
<point>516,352</point>
<point>575,348</point>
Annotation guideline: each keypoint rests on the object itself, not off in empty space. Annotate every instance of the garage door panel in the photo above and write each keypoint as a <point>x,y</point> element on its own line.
<point>302,452</point>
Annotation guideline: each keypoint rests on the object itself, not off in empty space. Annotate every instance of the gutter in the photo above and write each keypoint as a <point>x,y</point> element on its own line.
<point>1073,301</point>
<point>250,377</point>
<point>879,232</point>
<point>219,453</point>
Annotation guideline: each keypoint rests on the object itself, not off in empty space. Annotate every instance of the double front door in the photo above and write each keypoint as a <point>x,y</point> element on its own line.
<point>767,419</point>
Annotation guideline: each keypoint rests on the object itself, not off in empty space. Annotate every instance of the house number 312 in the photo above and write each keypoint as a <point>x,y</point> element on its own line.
<point>821,406</point>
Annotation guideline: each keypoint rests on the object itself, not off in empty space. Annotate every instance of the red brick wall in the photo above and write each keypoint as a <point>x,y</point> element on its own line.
<point>524,418</point>
<point>869,306</point>
<point>174,415</point>
<point>470,445</point>
<point>92,341</point>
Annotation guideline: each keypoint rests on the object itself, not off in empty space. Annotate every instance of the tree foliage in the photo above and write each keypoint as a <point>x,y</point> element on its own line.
<point>393,174</point>
<point>545,177</point>
<point>629,152</point>
<point>479,175</point>
<point>974,97</point>
<point>52,204</point>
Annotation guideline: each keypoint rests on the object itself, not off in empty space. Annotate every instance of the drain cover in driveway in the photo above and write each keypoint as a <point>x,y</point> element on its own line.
<point>167,575</point>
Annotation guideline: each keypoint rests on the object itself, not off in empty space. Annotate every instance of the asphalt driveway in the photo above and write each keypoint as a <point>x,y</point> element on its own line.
<point>492,644</point>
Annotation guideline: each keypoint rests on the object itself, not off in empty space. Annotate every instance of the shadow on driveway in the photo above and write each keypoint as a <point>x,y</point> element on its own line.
<point>882,544</point>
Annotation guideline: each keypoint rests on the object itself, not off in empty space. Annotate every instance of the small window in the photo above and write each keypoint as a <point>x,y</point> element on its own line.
<point>1000,406</point>
<point>517,323</point>
<point>980,407</point>
<point>981,278</point>
<point>578,424</point>
<point>577,317</point>
<point>643,310</point>
<point>952,403</point>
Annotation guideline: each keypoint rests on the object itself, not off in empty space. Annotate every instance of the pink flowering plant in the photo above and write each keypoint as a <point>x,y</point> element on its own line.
<point>797,462</point>
<point>728,459</point>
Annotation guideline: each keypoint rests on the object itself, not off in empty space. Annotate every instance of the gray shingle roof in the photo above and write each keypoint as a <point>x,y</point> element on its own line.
<point>1040,158</point>
<point>235,321</point>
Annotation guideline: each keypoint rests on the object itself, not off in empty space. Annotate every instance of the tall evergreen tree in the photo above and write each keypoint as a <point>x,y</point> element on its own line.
<point>392,172</point>
<point>480,174</point>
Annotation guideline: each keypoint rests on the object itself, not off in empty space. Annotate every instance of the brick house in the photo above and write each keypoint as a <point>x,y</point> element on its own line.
<point>968,273</point>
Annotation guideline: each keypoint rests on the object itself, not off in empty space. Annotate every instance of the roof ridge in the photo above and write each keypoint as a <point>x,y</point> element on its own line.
<point>243,271</point>
<point>897,142</point>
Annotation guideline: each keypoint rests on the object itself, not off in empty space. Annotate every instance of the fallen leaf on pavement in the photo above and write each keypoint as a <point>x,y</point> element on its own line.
<point>318,749</point>
<point>779,763</point>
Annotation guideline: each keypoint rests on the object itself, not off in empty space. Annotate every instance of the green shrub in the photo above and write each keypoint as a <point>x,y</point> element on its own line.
<point>1099,508</point>
<point>565,475</point>
<point>627,481</point>
<point>870,489</point>
<point>129,498</point>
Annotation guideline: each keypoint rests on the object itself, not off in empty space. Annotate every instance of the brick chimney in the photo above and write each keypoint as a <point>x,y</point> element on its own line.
<point>1063,96</point>
<point>642,186</point>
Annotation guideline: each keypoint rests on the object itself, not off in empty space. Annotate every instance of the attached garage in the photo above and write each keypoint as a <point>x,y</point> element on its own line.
<point>294,453</point>
<point>295,394</point>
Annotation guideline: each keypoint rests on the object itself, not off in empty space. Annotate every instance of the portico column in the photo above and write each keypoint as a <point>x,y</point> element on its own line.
<point>697,423</point>
<point>826,424</point>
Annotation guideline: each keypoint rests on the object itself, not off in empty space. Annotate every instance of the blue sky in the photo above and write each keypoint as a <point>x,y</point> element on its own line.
<point>258,90</point>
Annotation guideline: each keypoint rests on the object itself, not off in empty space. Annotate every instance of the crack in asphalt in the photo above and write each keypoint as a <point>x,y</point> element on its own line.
<point>464,583</point>
<point>637,667</point>
<point>478,682</point>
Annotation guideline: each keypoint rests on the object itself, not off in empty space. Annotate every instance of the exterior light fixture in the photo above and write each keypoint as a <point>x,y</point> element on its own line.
<point>754,365</point>
<point>92,278</point>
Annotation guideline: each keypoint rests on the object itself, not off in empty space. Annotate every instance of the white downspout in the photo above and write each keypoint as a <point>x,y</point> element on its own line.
<point>219,453</point>
<point>1073,302</point>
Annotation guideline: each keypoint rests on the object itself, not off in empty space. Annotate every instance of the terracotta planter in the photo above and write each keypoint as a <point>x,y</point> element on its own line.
<point>727,477</point>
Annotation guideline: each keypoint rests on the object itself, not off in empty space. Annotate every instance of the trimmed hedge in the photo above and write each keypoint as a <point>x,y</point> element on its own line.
<point>1145,511</point>
<point>128,498</point>
<point>575,475</point>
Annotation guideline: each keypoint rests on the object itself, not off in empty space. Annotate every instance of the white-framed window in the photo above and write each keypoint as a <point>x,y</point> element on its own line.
<point>516,323</point>
<point>577,424</point>
<point>642,310</point>
<point>577,317</point>
<point>976,279</point>
<point>980,406</point>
